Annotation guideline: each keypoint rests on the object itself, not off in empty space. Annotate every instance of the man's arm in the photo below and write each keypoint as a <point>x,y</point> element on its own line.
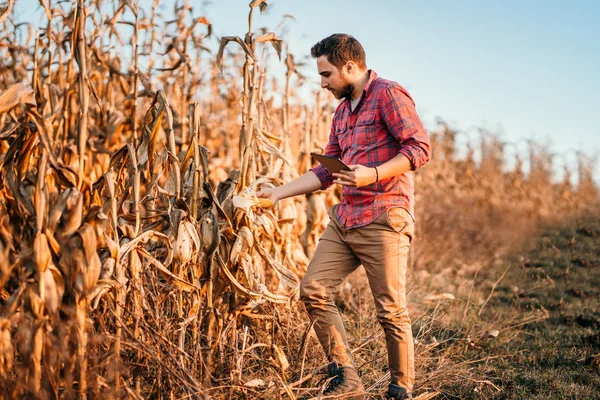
<point>307,183</point>
<point>400,117</point>
<point>317,178</point>
<point>399,114</point>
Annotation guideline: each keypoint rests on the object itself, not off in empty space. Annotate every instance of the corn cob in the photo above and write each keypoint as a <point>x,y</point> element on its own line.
<point>263,203</point>
<point>246,202</point>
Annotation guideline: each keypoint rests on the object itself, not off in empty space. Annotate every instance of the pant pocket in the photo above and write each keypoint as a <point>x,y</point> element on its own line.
<point>398,219</point>
<point>332,212</point>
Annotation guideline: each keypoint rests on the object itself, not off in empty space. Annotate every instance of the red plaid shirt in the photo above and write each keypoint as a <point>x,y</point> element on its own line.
<point>383,124</point>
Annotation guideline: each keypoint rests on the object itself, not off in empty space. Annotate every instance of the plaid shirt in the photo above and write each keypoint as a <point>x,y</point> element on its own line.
<point>383,124</point>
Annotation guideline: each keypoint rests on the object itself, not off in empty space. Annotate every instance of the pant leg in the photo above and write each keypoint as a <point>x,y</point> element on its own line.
<point>382,247</point>
<point>332,262</point>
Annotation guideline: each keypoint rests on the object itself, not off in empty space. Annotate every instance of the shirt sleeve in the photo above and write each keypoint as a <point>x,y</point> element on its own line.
<point>332,149</point>
<point>400,116</point>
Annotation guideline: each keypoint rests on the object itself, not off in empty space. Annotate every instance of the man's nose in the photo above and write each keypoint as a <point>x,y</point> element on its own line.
<point>324,84</point>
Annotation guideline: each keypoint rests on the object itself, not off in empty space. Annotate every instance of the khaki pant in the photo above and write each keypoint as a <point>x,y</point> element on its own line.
<point>382,248</point>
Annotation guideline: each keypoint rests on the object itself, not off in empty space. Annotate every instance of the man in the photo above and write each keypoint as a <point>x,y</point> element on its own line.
<point>376,131</point>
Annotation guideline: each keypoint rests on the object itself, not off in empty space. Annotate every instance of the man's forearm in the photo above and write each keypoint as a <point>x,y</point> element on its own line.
<point>307,183</point>
<point>394,167</point>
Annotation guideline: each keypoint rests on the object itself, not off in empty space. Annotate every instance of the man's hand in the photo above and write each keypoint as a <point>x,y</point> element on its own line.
<point>266,193</point>
<point>269,193</point>
<point>307,183</point>
<point>359,176</point>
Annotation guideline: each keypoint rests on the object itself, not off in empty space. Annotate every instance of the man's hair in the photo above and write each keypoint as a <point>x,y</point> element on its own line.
<point>339,49</point>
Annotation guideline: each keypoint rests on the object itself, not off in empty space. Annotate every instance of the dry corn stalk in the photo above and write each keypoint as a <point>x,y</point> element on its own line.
<point>174,273</point>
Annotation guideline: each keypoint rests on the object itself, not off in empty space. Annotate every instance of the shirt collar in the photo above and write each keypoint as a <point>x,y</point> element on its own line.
<point>368,87</point>
<point>372,77</point>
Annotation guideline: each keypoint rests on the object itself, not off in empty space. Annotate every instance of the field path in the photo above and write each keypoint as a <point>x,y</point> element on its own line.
<point>559,357</point>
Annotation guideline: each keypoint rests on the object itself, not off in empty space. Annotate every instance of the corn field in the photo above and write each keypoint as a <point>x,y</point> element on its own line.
<point>126,270</point>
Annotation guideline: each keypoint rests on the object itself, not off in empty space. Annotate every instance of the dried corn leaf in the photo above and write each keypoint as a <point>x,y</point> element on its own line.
<point>281,358</point>
<point>15,95</point>
<point>180,283</point>
<point>246,265</point>
<point>266,144</point>
<point>275,41</point>
<point>263,293</point>
<point>135,265</point>
<point>66,214</point>
<point>40,124</point>
<point>287,277</point>
<point>259,3</point>
<point>224,41</point>
<point>103,287</point>
<point>248,239</point>
<point>6,348</point>
<point>141,239</point>
<point>152,123</point>
<point>35,303</point>
<point>54,288</point>
<point>89,270</point>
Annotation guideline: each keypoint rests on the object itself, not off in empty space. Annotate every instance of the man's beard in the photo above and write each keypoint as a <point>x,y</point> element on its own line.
<point>347,91</point>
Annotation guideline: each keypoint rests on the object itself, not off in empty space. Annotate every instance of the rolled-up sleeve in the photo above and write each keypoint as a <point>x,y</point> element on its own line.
<point>400,116</point>
<point>332,149</point>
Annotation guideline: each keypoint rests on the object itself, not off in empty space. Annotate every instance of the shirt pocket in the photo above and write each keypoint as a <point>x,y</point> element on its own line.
<point>365,130</point>
<point>341,131</point>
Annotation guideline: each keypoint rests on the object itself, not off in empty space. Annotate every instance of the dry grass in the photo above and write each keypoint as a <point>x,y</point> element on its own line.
<point>126,269</point>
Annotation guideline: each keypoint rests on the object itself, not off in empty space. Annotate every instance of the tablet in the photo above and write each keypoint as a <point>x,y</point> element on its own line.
<point>333,164</point>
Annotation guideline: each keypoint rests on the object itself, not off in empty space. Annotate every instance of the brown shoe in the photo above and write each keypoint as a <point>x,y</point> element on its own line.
<point>396,392</point>
<point>345,383</point>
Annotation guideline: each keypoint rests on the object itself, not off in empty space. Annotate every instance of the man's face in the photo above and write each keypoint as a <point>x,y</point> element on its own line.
<point>336,81</point>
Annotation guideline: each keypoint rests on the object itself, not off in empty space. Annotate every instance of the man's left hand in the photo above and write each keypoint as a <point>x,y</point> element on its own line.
<point>359,176</point>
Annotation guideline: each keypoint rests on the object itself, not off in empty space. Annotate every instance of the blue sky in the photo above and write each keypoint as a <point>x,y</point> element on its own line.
<point>523,69</point>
